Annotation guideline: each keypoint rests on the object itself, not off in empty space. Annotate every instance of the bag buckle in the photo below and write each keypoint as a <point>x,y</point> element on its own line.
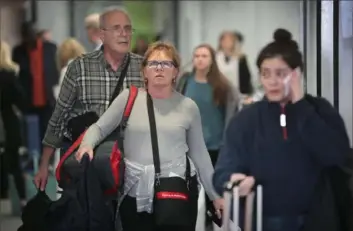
<point>158,176</point>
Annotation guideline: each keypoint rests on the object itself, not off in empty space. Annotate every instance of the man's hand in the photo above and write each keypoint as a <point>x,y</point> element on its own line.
<point>41,178</point>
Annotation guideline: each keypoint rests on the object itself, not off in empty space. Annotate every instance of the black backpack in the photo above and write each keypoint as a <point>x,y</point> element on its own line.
<point>81,207</point>
<point>339,179</point>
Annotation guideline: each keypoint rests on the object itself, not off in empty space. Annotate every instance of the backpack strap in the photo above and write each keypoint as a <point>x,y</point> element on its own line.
<point>133,91</point>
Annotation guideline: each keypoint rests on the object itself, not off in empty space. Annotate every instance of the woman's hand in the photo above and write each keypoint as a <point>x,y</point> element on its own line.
<point>297,91</point>
<point>83,150</point>
<point>218,204</point>
<point>246,183</point>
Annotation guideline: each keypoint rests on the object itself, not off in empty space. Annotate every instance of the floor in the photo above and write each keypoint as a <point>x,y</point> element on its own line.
<point>10,222</point>
<point>7,221</point>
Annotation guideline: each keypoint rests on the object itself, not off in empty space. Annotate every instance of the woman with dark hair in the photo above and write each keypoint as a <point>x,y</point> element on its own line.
<point>212,93</point>
<point>233,63</point>
<point>284,141</point>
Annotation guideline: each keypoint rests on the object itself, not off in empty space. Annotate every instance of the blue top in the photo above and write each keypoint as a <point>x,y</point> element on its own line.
<point>286,162</point>
<point>212,116</point>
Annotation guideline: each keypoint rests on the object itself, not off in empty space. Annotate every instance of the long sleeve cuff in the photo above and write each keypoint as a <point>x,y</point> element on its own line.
<point>52,140</point>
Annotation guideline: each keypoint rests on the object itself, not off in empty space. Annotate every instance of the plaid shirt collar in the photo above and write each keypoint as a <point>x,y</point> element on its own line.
<point>106,64</point>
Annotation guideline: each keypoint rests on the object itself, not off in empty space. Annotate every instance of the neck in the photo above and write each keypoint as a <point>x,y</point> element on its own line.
<point>228,52</point>
<point>201,75</point>
<point>114,59</point>
<point>160,92</point>
<point>97,41</point>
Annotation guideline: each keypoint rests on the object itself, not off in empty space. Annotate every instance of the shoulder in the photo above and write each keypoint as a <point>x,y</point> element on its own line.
<point>189,105</point>
<point>93,55</point>
<point>18,47</point>
<point>319,103</point>
<point>182,80</point>
<point>246,117</point>
<point>141,92</point>
<point>84,58</point>
<point>49,45</point>
<point>135,58</point>
<point>125,93</point>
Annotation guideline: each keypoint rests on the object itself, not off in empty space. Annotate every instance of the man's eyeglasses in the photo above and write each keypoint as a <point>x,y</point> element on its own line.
<point>118,29</point>
<point>162,64</point>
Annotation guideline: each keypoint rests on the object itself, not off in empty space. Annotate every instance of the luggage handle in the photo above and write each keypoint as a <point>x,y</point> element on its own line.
<point>231,190</point>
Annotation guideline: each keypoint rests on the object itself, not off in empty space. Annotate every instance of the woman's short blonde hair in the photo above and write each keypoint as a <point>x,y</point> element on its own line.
<point>69,49</point>
<point>6,59</point>
<point>166,47</point>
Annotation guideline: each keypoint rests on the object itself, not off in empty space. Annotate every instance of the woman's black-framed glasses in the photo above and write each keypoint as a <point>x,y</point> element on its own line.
<point>163,64</point>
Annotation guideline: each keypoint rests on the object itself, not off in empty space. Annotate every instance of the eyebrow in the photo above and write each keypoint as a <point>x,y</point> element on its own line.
<point>121,25</point>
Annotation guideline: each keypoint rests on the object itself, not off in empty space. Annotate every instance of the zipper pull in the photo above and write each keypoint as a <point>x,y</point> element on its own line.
<point>282,120</point>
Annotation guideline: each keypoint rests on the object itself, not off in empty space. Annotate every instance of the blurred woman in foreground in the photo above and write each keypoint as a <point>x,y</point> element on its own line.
<point>282,142</point>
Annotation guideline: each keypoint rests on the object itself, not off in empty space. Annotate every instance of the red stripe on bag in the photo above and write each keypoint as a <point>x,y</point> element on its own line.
<point>115,159</point>
<point>69,151</point>
<point>116,156</point>
<point>130,101</point>
<point>172,195</point>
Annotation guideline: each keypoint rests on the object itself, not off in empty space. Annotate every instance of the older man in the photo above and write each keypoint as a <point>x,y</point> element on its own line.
<point>90,82</point>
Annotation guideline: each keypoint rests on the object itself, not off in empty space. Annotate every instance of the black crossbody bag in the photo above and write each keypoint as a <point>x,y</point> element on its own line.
<point>77,125</point>
<point>175,198</point>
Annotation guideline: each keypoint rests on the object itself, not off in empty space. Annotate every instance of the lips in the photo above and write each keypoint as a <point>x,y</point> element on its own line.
<point>274,91</point>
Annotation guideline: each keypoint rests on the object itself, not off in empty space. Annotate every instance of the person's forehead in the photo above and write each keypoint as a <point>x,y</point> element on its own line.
<point>159,55</point>
<point>274,63</point>
<point>117,19</point>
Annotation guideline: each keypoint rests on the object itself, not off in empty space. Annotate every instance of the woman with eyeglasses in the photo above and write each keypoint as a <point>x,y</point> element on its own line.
<point>179,133</point>
<point>284,141</point>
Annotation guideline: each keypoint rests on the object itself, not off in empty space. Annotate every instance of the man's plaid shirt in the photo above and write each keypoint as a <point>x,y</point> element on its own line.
<point>88,85</point>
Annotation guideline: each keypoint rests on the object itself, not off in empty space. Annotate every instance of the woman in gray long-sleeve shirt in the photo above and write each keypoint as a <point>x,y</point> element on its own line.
<point>179,132</point>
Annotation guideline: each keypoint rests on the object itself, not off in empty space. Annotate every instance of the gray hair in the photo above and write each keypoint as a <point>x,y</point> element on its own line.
<point>112,9</point>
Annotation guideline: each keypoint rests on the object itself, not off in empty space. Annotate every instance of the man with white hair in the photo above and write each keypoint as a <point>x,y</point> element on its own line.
<point>89,84</point>
<point>93,30</point>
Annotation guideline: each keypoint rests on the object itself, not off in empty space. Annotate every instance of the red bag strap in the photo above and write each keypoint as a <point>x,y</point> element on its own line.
<point>127,111</point>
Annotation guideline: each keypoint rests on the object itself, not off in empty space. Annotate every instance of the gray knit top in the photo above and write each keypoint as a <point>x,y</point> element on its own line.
<point>179,133</point>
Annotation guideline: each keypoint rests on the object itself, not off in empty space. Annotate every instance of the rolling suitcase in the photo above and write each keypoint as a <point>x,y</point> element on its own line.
<point>231,192</point>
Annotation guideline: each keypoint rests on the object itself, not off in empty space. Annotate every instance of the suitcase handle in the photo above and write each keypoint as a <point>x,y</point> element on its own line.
<point>229,186</point>
<point>231,190</point>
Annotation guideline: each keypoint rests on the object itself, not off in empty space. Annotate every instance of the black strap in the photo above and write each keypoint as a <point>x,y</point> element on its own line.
<point>120,81</point>
<point>154,140</point>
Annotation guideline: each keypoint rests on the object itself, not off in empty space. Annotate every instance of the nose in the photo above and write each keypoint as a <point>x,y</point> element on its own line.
<point>159,67</point>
